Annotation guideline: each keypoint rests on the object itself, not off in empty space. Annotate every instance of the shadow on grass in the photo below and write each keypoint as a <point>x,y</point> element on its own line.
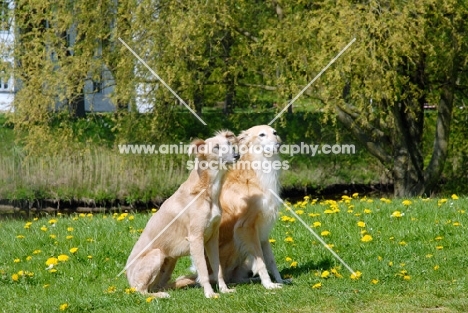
<point>302,269</point>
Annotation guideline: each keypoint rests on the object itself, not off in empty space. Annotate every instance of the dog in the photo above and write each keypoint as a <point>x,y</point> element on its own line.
<point>153,258</point>
<point>250,210</point>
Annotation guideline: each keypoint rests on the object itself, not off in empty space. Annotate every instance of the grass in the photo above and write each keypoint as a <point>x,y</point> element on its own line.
<point>413,263</point>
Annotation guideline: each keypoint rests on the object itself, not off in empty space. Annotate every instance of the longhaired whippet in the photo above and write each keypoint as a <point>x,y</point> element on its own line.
<point>154,256</point>
<point>250,210</point>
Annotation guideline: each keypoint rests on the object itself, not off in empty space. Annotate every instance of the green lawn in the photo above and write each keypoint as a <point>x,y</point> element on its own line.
<point>415,261</point>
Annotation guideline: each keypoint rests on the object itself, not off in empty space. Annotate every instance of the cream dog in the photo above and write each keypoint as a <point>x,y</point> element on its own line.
<point>191,217</point>
<point>250,210</point>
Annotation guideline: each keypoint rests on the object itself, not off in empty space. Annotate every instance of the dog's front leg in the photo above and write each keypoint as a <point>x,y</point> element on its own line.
<point>197,251</point>
<point>271,264</point>
<point>212,251</point>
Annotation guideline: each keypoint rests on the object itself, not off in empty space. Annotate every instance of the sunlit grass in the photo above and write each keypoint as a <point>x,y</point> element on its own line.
<point>415,261</point>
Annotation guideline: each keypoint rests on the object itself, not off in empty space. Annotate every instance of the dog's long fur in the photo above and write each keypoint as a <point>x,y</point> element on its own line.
<point>249,212</point>
<point>152,261</point>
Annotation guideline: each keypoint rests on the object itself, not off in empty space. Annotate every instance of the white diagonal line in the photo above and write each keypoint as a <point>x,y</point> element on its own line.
<point>313,80</point>
<point>315,234</point>
<point>162,81</point>
<point>161,232</point>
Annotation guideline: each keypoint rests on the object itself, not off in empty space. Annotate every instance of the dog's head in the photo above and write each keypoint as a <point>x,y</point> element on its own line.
<point>220,148</point>
<point>259,140</point>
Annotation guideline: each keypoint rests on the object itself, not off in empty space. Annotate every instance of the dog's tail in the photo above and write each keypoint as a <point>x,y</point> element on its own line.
<point>183,282</point>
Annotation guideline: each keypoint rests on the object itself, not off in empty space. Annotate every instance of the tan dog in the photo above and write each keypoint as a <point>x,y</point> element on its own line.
<point>250,209</point>
<point>154,256</point>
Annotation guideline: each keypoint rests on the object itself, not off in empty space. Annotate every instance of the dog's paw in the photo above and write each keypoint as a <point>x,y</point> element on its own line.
<point>211,295</point>
<point>287,281</point>
<point>227,290</point>
<point>272,285</point>
<point>160,295</point>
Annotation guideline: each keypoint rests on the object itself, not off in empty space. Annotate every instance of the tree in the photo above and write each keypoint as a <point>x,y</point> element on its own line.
<point>407,55</point>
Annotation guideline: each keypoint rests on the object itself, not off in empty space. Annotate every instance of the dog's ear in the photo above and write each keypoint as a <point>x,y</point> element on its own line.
<point>231,137</point>
<point>243,137</point>
<point>196,147</point>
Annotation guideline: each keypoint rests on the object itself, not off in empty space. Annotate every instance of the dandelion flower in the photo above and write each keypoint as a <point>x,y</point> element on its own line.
<point>397,214</point>
<point>436,267</point>
<point>454,197</point>
<point>288,259</point>
<point>402,243</point>
<point>293,264</point>
<point>335,272</point>
<point>366,238</point>
<point>367,211</point>
<point>317,286</point>
<point>15,277</point>
<point>355,195</point>
<point>27,225</point>
<point>37,251</point>
<point>325,274</point>
<point>439,247</point>
<point>300,212</point>
<point>16,260</point>
<point>70,229</point>
<point>272,240</point>
<point>149,299</point>
<point>456,224</point>
<point>289,239</point>
<point>356,275</point>
<point>325,233</point>
<point>63,258</point>
<point>374,281</point>
<point>406,277</point>
<point>52,221</point>
<point>73,250</point>
<point>63,306</point>
<point>20,237</point>
<point>407,202</point>
<point>316,224</point>
<point>130,290</point>
<point>44,228</point>
<point>28,258</point>
<point>69,237</point>
<point>51,261</point>
<point>361,224</point>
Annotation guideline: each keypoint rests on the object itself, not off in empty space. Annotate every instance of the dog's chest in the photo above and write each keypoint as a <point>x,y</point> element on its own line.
<point>269,215</point>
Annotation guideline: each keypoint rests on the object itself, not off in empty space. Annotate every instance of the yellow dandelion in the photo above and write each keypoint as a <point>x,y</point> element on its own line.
<point>361,224</point>
<point>325,233</point>
<point>15,277</point>
<point>346,197</point>
<point>27,225</point>
<point>325,274</point>
<point>70,229</point>
<point>63,258</point>
<point>73,250</point>
<point>288,259</point>
<point>37,251</point>
<point>436,267</point>
<point>300,212</point>
<point>314,214</point>
<point>44,228</point>
<point>16,260</point>
<point>454,197</point>
<point>429,256</point>
<point>289,239</point>
<point>90,257</point>
<point>356,275</point>
<point>316,224</point>
<point>438,238</point>
<point>111,289</point>
<point>53,236</point>
<point>456,224</point>
<point>397,214</point>
<point>367,211</point>
<point>20,237</point>
<point>317,286</point>
<point>407,202</point>
<point>439,247</point>
<point>130,290</point>
<point>149,299</point>
<point>153,210</point>
<point>390,263</point>
<point>69,237</point>
<point>51,261</point>
<point>63,306</point>
<point>355,195</point>
<point>131,218</point>
<point>28,258</point>
<point>366,238</point>
<point>402,243</point>
<point>374,281</point>
<point>52,221</point>
<point>293,264</point>
<point>271,240</point>
<point>406,277</point>
<point>334,271</point>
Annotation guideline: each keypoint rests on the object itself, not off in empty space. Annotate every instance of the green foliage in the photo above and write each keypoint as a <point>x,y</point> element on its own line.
<point>418,259</point>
